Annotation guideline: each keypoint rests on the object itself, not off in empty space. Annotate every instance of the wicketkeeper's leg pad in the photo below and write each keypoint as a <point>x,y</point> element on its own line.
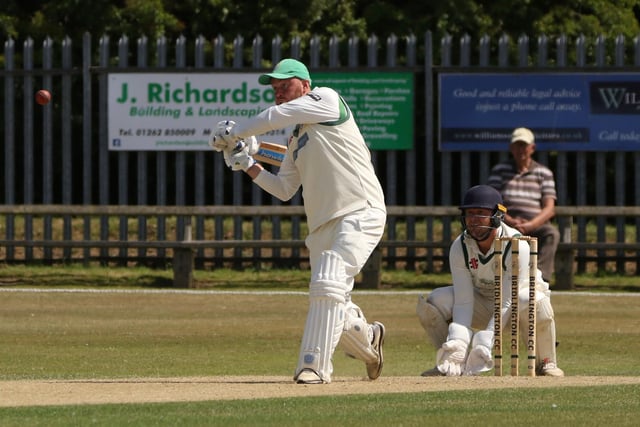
<point>432,318</point>
<point>325,319</point>
<point>545,330</point>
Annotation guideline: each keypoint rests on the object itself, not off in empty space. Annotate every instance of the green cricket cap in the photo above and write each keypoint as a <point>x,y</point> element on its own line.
<point>286,69</point>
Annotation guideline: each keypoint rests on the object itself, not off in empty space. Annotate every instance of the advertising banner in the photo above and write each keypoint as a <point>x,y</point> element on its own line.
<point>566,111</point>
<point>178,111</point>
<point>382,103</point>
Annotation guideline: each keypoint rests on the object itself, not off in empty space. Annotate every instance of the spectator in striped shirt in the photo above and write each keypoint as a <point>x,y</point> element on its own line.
<point>529,193</point>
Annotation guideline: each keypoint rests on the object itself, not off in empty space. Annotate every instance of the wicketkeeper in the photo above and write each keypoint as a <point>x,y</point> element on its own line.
<point>343,200</point>
<point>459,319</point>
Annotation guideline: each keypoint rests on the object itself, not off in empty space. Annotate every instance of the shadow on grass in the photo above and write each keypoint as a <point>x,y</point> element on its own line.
<point>608,288</point>
<point>147,281</point>
<point>294,279</point>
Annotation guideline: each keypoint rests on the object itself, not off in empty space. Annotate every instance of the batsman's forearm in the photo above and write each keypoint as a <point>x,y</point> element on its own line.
<point>259,125</point>
<point>254,171</point>
<point>273,185</point>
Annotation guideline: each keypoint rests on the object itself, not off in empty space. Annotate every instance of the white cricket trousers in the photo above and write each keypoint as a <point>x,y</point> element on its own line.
<point>354,236</point>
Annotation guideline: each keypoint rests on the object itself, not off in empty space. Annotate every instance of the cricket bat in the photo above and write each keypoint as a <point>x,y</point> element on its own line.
<point>270,153</point>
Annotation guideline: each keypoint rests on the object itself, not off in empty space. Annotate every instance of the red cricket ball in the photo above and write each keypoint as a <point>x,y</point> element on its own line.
<point>43,97</point>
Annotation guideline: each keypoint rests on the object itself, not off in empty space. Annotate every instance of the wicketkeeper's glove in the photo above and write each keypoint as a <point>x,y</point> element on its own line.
<point>451,357</point>
<point>479,359</point>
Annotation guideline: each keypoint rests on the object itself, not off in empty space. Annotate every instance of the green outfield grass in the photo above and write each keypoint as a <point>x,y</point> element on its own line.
<point>140,277</point>
<point>62,335</point>
<point>579,406</point>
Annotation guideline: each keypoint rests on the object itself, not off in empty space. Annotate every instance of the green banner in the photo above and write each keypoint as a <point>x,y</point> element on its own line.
<point>382,103</point>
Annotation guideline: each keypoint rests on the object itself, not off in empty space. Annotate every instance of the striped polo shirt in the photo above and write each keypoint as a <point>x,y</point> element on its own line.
<point>523,193</point>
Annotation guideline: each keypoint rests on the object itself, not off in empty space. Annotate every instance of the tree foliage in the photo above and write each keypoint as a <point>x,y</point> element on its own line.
<point>292,18</point>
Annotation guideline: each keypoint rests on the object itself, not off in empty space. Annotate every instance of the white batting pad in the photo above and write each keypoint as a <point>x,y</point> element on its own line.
<point>325,319</point>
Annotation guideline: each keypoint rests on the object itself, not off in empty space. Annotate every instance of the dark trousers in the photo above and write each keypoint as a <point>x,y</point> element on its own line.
<point>548,239</point>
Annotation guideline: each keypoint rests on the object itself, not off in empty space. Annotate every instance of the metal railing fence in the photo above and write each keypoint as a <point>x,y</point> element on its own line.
<point>59,154</point>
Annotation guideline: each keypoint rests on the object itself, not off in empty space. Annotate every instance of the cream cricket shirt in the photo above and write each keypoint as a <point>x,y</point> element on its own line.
<point>473,275</point>
<point>327,156</point>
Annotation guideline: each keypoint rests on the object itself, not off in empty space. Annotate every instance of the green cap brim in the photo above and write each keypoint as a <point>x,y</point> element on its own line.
<point>286,69</point>
<point>265,79</point>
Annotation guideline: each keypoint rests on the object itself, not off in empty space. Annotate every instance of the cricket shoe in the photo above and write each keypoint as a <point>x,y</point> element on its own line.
<point>549,369</point>
<point>308,376</point>
<point>375,368</point>
<point>433,372</point>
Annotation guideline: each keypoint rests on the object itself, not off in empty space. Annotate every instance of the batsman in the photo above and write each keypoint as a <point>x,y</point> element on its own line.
<point>343,200</point>
<point>459,319</point>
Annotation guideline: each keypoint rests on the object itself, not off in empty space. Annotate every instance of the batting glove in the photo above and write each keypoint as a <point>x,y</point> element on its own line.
<point>239,158</point>
<point>252,145</point>
<point>223,137</point>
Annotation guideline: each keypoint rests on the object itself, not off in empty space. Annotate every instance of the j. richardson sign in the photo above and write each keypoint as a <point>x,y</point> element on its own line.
<point>168,111</point>
<point>178,111</point>
<point>566,111</point>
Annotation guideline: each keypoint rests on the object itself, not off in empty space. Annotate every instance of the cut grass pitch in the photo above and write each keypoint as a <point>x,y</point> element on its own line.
<point>130,334</point>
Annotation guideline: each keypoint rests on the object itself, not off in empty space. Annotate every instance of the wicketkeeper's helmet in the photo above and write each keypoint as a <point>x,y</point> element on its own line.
<point>484,197</point>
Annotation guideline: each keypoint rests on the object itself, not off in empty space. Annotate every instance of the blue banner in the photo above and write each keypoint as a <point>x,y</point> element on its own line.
<point>566,111</point>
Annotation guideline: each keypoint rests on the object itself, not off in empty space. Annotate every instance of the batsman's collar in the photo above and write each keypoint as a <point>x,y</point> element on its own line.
<point>286,69</point>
